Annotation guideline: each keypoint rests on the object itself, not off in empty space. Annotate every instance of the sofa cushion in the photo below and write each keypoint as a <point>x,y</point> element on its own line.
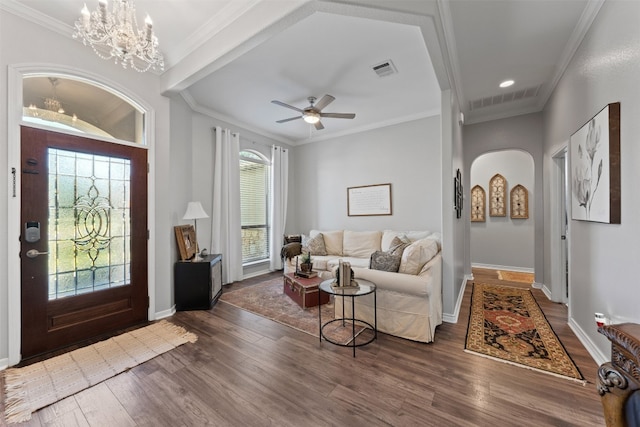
<point>397,246</point>
<point>332,241</point>
<point>314,245</point>
<point>417,235</point>
<point>417,254</point>
<point>355,262</point>
<point>360,244</point>
<point>385,261</point>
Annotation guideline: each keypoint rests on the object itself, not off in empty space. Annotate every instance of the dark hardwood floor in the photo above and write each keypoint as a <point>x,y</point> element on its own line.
<point>249,371</point>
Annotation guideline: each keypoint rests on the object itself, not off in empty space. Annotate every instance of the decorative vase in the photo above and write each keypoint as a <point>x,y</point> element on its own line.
<point>306,267</point>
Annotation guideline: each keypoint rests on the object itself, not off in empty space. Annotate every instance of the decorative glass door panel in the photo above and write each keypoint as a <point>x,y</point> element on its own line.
<point>89,222</point>
<point>84,242</point>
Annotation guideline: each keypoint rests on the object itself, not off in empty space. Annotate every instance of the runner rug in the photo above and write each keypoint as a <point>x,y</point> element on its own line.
<point>516,276</point>
<point>35,386</point>
<point>506,324</point>
<point>267,299</point>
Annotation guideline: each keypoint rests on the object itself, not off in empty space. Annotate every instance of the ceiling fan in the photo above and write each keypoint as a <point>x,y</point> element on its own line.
<point>313,113</point>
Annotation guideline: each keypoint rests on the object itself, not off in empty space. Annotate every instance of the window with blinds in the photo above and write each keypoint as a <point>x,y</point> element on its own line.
<point>254,206</point>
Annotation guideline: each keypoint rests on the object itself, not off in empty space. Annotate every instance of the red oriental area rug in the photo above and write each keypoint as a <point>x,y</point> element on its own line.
<point>506,324</point>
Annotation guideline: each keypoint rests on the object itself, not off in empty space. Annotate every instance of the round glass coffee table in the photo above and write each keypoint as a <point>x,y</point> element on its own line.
<point>365,288</point>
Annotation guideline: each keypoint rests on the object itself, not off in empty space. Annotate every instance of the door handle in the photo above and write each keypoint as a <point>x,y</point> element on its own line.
<point>32,253</point>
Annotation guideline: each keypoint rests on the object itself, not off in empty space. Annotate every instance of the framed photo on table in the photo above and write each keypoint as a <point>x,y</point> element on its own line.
<point>186,239</point>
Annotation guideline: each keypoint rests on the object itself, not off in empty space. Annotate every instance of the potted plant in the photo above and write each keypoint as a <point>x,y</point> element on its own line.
<point>305,262</point>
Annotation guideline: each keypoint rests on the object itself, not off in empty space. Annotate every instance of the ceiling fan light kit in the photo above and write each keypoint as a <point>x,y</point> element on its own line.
<point>313,113</point>
<point>311,117</point>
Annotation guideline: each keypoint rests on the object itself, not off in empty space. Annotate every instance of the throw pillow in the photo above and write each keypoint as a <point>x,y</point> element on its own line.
<point>417,254</point>
<point>314,245</point>
<point>398,246</point>
<point>385,261</point>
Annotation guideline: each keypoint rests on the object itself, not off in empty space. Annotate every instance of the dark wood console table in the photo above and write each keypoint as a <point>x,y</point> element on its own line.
<point>619,379</point>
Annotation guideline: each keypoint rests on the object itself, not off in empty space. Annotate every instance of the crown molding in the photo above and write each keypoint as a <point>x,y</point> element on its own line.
<point>325,136</point>
<point>39,18</point>
<point>579,32</point>
<point>377,125</point>
<point>444,11</point>
<point>216,115</point>
<point>227,16</point>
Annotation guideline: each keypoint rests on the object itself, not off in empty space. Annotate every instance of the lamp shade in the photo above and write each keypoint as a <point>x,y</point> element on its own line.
<point>195,211</point>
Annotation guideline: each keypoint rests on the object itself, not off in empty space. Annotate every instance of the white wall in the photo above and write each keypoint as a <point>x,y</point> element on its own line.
<point>602,257</point>
<point>521,133</point>
<point>502,241</point>
<point>406,155</point>
<point>60,50</point>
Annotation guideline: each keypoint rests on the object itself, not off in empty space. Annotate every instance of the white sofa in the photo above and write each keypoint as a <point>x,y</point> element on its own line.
<point>409,302</point>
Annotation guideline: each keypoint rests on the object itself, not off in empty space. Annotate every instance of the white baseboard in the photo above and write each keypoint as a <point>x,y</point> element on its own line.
<point>453,318</point>
<point>593,350</point>
<point>165,313</point>
<point>502,267</point>
<point>4,364</point>
<point>545,290</point>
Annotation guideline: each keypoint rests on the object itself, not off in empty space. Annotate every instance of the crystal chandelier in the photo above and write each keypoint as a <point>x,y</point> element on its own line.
<point>116,35</point>
<point>52,103</point>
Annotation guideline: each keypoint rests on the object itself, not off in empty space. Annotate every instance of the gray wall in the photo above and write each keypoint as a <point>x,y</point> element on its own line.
<point>201,161</point>
<point>602,257</point>
<point>406,155</point>
<point>520,133</point>
<point>501,241</point>
<point>453,228</point>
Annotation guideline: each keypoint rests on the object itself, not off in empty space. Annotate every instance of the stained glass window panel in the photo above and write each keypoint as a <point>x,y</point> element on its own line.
<point>89,223</point>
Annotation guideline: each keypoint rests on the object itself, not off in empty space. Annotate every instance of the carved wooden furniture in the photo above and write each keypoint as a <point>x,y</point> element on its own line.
<point>619,379</point>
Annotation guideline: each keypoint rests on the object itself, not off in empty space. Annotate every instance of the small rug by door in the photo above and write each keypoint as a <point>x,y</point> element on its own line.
<point>506,324</point>
<point>516,276</point>
<point>38,385</point>
<point>267,299</point>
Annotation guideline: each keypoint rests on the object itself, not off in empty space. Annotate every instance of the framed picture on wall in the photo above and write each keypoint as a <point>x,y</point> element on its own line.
<point>595,168</point>
<point>369,200</point>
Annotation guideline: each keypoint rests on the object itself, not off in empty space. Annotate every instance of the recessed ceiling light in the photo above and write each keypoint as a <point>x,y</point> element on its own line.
<point>507,83</point>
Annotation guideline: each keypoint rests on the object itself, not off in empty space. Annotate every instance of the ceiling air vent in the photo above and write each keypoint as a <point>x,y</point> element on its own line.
<point>518,95</point>
<point>385,68</point>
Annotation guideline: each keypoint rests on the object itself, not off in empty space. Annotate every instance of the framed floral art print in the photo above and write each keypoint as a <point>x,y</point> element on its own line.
<point>595,168</point>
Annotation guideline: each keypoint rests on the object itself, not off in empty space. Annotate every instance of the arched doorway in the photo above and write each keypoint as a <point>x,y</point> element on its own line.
<point>504,240</point>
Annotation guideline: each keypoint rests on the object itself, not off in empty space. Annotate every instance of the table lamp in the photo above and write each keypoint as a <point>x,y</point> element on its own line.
<point>195,212</point>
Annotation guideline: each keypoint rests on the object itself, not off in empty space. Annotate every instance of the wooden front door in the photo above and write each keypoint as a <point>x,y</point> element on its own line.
<point>83,240</point>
